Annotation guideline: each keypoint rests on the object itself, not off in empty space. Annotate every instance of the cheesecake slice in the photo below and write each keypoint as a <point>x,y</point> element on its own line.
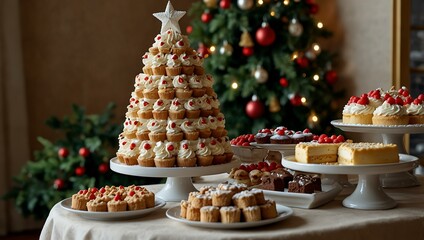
<point>313,152</point>
<point>367,153</point>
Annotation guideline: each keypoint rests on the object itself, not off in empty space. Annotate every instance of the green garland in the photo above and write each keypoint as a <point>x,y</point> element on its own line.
<point>61,168</point>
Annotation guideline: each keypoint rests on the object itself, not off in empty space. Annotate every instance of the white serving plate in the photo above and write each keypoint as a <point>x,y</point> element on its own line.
<point>386,129</point>
<point>112,216</point>
<point>283,213</point>
<point>285,149</point>
<point>305,200</point>
<point>249,153</point>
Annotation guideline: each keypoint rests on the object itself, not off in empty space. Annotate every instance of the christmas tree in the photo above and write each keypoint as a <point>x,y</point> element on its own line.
<point>77,161</point>
<point>268,65</point>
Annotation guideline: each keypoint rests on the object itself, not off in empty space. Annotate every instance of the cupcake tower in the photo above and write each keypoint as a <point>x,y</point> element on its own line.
<point>378,107</point>
<point>173,117</point>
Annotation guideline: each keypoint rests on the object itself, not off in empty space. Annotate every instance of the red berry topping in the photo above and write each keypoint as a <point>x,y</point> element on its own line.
<point>417,101</point>
<point>81,192</point>
<point>306,131</point>
<point>147,146</point>
<point>202,145</point>
<point>92,196</point>
<point>281,132</point>
<point>131,193</point>
<point>408,100</point>
<point>170,148</point>
<point>340,138</point>
<point>102,190</point>
<point>117,197</point>
<point>391,101</point>
<point>421,97</point>
<point>121,187</point>
<point>399,101</point>
<point>123,143</point>
<point>94,189</point>
<point>173,125</point>
<point>405,93</point>
<point>363,100</point>
<point>145,103</point>
<point>213,142</point>
<point>174,57</point>
<point>132,146</point>
<point>180,80</point>
<point>137,188</point>
<point>185,146</point>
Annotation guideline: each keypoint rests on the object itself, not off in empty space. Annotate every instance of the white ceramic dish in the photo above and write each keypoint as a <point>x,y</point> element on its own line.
<point>369,128</point>
<point>369,194</point>
<point>305,200</point>
<point>112,216</point>
<point>249,153</point>
<point>283,213</point>
<point>285,149</point>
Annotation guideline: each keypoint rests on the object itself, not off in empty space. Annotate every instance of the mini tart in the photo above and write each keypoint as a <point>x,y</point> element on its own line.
<point>186,162</point>
<point>166,93</point>
<point>183,207</point>
<point>244,199</point>
<point>221,198</point>
<point>252,213</point>
<point>160,115</point>
<point>175,137</point>
<point>194,135</point>
<point>209,214</point>
<point>165,162</point>
<point>219,159</point>
<point>97,205</point>
<point>230,214</point>
<point>116,205</point>
<point>157,137</point>
<point>184,93</point>
<point>357,118</point>
<point>259,196</point>
<point>79,202</point>
<point>131,160</point>
<point>201,200</point>
<point>135,202</point>
<point>174,115</point>
<point>390,120</point>
<point>149,198</point>
<point>146,162</point>
<point>268,210</point>
<point>193,214</point>
<point>204,160</point>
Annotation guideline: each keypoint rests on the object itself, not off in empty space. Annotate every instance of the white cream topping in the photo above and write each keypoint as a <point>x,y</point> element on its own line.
<point>387,109</point>
<point>355,108</point>
<point>180,81</point>
<point>415,109</point>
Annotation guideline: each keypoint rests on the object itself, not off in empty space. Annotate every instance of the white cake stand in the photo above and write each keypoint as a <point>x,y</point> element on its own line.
<point>391,134</point>
<point>178,184</point>
<point>369,194</point>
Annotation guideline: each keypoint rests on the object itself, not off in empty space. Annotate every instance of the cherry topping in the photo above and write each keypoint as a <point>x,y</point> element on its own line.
<point>306,131</point>
<point>213,142</point>
<point>174,57</point>
<point>93,190</point>
<point>147,146</point>
<point>180,80</point>
<point>145,103</point>
<point>131,193</point>
<point>132,146</point>
<point>421,97</point>
<point>92,196</point>
<point>102,190</point>
<point>185,146</point>
<point>281,132</point>
<point>117,197</point>
<point>391,100</point>
<point>170,148</point>
<point>173,125</point>
<point>399,101</point>
<point>202,145</point>
<point>123,143</point>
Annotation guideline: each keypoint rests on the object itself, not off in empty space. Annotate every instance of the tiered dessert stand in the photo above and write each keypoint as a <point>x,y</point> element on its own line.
<point>178,184</point>
<point>390,134</point>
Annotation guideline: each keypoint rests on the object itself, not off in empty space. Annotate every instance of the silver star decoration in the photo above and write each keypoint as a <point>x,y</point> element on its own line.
<point>170,18</point>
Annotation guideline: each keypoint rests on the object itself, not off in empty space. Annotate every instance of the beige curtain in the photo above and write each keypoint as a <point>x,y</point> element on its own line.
<point>14,145</point>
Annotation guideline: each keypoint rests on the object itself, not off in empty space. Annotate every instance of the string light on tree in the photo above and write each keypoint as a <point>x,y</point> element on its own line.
<point>316,77</point>
<point>212,49</point>
<point>320,25</point>
<point>260,74</point>
<point>255,108</point>
<point>245,4</point>
<point>234,85</point>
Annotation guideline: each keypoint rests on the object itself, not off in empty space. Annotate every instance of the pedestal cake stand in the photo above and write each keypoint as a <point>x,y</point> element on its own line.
<point>368,194</point>
<point>391,134</point>
<point>178,184</point>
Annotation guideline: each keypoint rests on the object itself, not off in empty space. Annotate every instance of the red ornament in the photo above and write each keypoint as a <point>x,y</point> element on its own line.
<point>189,29</point>
<point>265,35</point>
<point>79,171</point>
<point>313,8</point>
<point>63,152</point>
<point>225,4</point>
<point>203,50</point>
<point>296,100</point>
<point>206,17</point>
<point>303,62</point>
<point>255,109</point>
<point>247,51</point>
<point>103,168</point>
<point>331,77</point>
<point>84,152</point>
<point>59,184</point>
<point>284,82</point>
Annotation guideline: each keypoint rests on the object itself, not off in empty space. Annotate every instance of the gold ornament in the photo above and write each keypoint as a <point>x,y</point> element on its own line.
<point>274,105</point>
<point>246,40</point>
<point>210,3</point>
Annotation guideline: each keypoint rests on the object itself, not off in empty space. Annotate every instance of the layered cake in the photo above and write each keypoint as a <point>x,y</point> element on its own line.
<point>367,153</point>
<point>314,152</point>
<point>173,117</point>
<point>227,203</point>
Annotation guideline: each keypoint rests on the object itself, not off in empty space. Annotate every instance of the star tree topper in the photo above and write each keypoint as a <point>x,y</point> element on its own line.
<point>170,18</point>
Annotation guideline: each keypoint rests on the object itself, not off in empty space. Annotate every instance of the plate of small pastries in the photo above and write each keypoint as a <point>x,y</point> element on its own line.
<point>112,203</point>
<point>286,187</point>
<point>228,206</point>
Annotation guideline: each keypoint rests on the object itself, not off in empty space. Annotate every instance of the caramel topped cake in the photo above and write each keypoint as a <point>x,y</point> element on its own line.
<point>367,153</point>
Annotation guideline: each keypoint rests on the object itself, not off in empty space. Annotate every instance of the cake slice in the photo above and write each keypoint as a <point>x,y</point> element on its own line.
<point>367,153</point>
<point>313,152</point>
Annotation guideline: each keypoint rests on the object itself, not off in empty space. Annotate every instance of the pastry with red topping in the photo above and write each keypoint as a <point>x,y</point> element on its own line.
<point>147,156</point>
<point>186,156</point>
<point>281,136</point>
<point>358,110</point>
<point>415,110</point>
<point>165,154</point>
<point>263,136</point>
<point>391,112</point>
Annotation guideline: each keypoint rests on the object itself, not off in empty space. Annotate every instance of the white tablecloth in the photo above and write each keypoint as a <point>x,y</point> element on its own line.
<point>330,221</point>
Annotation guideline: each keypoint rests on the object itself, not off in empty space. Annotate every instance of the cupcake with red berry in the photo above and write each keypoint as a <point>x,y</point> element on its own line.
<point>308,135</point>
<point>190,130</point>
<point>208,81</point>
<point>117,204</point>
<point>159,64</point>
<point>375,97</point>
<point>358,110</point>
<point>173,67</point>
<point>204,154</point>
<point>165,154</point>
<point>146,108</point>
<point>157,130</point>
<point>205,106</point>
<point>151,89</point>
<point>415,110</point>
<point>176,110</point>
<point>197,62</point>
<point>195,84</point>
<point>203,127</point>
<point>166,88</point>
<point>263,136</point>
<point>217,151</point>
<point>147,62</point>
<point>391,112</point>
<point>160,109</point>
<point>173,131</point>
<point>182,89</point>
<point>192,109</point>
<point>132,152</point>
<point>188,68</point>
<point>280,137</point>
<point>134,201</point>
<point>147,156</point>
<point>186,156</point>
<point>142,131</point>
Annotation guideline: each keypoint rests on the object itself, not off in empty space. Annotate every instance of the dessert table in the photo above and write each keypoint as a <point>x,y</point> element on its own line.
<point>330,221</point>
